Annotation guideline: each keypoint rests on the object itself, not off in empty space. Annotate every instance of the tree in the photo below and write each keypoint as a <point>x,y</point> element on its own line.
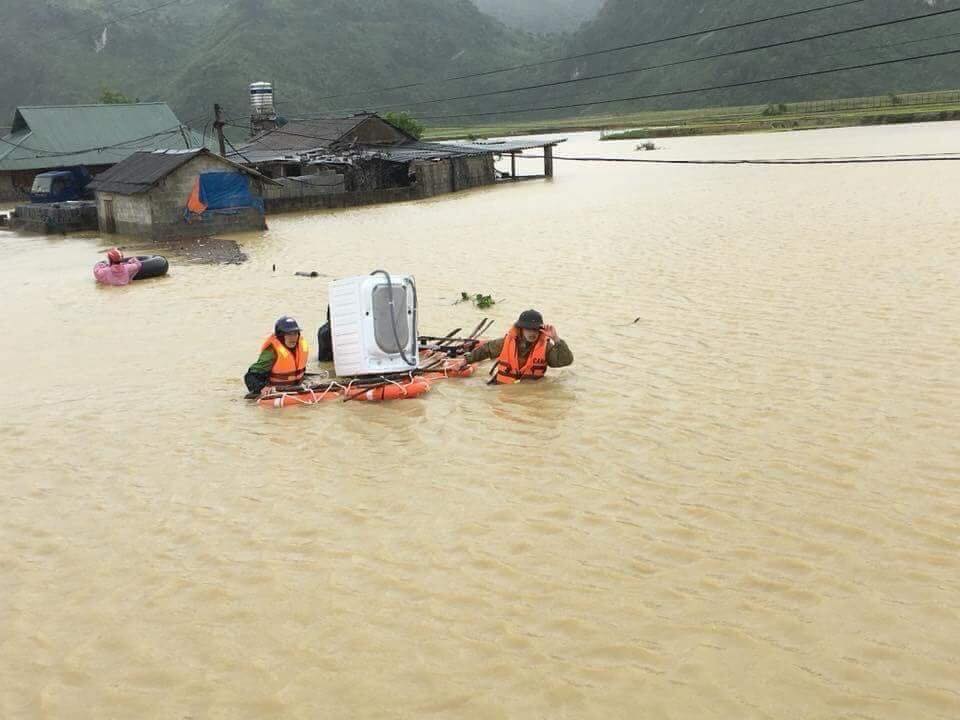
<point>406,123</point>
<point>109,97</point>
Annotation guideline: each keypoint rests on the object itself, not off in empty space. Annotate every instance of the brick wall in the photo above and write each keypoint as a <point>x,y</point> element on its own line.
<point>432,178</point>
<point>9,184</point>
<point>475,171</point>
<point>295,188</point>
<point>211,224</point>
<point>159,213</point>
<point>6,188</point>
<point>445,176</point>
<point>343,200</point>
<point>169,198</point>
<point>127,209</point>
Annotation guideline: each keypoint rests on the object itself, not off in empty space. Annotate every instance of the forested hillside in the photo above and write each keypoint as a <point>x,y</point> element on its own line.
<point>193,54</point>
<point>622,22</point>
<point>542,16</point>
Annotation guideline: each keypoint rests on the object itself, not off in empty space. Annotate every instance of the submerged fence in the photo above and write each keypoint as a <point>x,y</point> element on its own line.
<point>876,102</point>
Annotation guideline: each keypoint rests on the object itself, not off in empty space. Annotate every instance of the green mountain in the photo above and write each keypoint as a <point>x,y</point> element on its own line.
<point>67,53</point>
<point>317,52</point>
<point>193,54</point>
<point>542,16</point>
<point>313,49</point>
<point>622,22</point>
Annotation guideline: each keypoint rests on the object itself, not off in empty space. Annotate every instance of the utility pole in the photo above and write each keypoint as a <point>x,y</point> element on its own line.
<point>218,124</point>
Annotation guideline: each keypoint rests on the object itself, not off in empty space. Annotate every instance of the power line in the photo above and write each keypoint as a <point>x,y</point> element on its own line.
<point>592,53</point>
<point>121,18</point>
<point>660,95</point>
<point>278,131</point>
<point>865,160</point>
<point>727,86</point>
<point>227,140</point>
<point>715,56</point>
<point>890,45</point>
<point>42,153</point>
<point>50,5</point>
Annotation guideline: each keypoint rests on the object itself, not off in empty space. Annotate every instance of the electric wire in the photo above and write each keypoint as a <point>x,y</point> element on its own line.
<point>593,53</point>
<point>864,160</point>
<point>676,63</point>
<point>847,160</point>
<point>853,51</point>
<point>113,21</point>
<point>48,153</point>
<point>692,91</point>
<point>237,152</point>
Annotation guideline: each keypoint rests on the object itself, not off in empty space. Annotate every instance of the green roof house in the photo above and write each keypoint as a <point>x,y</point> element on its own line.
<point>95,136</point>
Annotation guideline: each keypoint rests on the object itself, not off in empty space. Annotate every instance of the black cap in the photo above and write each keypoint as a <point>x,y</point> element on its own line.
<point>530,320</point>
<point>286,325</point>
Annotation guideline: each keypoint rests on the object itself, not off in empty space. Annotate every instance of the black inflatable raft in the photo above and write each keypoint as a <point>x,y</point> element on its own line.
<point>151,266</point>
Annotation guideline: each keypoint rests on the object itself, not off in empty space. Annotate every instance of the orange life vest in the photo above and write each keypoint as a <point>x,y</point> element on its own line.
<point>289,368</point>
<point>507,367</point>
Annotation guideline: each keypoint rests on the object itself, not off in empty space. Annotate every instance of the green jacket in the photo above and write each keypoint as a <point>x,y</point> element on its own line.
<point>559,353</point>
<point>264,363</point>
<point>258,376</point>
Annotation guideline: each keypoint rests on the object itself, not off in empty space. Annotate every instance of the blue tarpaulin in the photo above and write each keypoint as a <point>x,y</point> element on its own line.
<point>226,191</point>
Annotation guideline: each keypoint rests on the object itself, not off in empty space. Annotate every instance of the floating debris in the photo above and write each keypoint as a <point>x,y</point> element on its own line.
<point>479,300</point>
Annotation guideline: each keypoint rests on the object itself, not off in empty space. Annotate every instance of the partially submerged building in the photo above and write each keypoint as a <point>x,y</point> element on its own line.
<point>179,194</point>
<point>94,136</point>
<point>369,153</point>
<point>365,159</point>
<point>290,149</point>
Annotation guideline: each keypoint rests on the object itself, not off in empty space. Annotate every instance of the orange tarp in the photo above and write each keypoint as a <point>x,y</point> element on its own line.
<point>195,204</point>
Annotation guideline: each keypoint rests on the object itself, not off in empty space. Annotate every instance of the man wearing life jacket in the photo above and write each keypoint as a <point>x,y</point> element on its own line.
<point>526,352</point>
<point>283,359</point>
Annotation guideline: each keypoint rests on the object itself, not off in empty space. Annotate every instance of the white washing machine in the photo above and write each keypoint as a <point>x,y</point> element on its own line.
<point>373,324</point>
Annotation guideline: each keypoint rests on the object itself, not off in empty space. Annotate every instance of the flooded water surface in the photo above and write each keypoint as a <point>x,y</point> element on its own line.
<point>740,502</point>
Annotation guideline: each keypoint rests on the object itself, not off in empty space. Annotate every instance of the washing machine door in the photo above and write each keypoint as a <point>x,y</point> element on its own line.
<point>383,330</point>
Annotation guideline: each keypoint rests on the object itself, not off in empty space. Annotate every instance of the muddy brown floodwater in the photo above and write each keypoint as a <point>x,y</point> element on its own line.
<point>742,505</point>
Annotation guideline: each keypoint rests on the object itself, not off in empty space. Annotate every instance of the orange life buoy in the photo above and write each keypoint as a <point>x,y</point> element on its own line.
<point>297,399</point>
<point>401,391</point>
<point>452,370</point>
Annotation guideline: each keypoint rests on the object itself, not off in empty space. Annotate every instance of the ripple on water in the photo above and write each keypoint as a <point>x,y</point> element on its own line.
<point>740,501</point>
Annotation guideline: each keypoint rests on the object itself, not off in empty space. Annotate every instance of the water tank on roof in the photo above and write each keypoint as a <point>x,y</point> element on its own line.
<point>261,98</point>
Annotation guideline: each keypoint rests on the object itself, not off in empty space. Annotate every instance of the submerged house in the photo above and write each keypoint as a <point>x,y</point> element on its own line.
<point>289,149</point>
<point>179,194</point>
<point>358,160</point>
<point>97,137</point>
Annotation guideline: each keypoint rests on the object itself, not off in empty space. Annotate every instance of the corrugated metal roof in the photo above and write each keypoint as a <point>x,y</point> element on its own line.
<point>61,136</point>
<point>507,146</point>
<point>408,152</point>
<point>299,135</point>
<point>256,157</point>
<point>143,170</point>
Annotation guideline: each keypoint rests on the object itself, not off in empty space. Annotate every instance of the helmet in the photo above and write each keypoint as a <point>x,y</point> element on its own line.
<point>114,256</point>
<point>530,320</point>
<point>285,325</point>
